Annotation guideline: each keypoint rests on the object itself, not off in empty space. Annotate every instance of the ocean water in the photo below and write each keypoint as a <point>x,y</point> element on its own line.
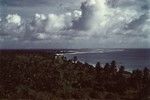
<point>130,58</point>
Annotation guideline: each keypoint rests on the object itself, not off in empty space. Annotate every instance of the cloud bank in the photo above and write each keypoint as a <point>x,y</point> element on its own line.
<point>98,23</point>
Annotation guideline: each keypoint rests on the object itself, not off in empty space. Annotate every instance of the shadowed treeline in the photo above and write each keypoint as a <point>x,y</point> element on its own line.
<point>37,75</point>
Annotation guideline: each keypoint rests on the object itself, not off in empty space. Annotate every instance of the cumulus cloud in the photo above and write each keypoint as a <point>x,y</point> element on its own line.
<point>40,36</point>
<point>108,18</point>
<point>51,25</point>
<point>58,22</point>
<point>12,26</point>
<point>14,19</point>
<point>76,14</point>
<point>101,22</point>
<point>39,27</point>
<point>97,14</point>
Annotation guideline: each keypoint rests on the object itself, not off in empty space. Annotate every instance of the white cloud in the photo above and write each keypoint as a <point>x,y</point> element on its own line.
<point>14,18</point>
<point>51,23</point>
<point>56,23</point>
<point>40,36</point>
<point>76,14</point>
<point>12,26</point>
<point>39,17</point>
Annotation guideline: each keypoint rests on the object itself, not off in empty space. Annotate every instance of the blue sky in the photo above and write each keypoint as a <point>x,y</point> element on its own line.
<point>74,24</point>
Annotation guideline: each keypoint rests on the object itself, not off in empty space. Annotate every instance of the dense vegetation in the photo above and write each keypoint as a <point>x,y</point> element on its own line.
<point>39,75</point>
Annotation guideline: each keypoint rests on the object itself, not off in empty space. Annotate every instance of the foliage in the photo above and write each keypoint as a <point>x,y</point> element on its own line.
<point>45,76</point>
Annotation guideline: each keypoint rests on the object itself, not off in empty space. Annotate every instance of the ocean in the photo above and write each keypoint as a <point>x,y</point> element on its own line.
<point>130,58</point>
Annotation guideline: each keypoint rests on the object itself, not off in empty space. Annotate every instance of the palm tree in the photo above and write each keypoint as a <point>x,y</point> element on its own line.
<point>107,67</point>
<point>121,69</point>
<point>146,73</point>
<point>98,66</point>
<point>113,67</point>
<point>75,59</point>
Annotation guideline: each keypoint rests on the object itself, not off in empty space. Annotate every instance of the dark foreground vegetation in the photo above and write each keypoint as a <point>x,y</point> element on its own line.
<point>35,75</point>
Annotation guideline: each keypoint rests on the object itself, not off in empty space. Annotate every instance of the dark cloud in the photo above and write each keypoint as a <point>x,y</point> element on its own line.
<point>32,3</point>
<point>87,12</point>
<point>23,2</point>
<point>145,7</point>
<point>137,22</point>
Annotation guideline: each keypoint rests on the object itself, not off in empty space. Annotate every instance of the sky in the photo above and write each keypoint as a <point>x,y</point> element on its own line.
<point>28,24</point>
